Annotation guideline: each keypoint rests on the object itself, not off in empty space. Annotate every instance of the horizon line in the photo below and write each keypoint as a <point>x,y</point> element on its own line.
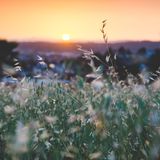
<point>74,41</point>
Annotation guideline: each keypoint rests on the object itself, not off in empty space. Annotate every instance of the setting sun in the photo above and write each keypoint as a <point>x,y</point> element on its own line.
<point>66,37</point>
<point>59,20</point>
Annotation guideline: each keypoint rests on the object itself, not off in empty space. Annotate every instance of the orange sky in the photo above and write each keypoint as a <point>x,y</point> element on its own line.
<point>50,19</point>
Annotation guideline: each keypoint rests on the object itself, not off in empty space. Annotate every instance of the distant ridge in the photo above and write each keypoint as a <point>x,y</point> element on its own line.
<point>135,45</point>
<point>72,47</point>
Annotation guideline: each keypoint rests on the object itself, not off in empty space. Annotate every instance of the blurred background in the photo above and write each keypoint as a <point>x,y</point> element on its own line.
<point>42,35</point>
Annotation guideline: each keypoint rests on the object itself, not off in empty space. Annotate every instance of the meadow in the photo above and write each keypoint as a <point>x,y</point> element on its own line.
<point>79,121</point>
<point>105,119</point>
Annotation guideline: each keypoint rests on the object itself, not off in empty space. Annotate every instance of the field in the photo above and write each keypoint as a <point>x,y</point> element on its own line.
<point>79,121</point>
<point>79,79</point>
<point>104,119</point>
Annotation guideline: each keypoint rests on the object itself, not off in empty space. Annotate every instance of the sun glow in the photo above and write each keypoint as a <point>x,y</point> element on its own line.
<point>66,37</point>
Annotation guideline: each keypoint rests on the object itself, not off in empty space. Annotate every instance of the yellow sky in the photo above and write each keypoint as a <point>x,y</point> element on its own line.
<point>50,19</point>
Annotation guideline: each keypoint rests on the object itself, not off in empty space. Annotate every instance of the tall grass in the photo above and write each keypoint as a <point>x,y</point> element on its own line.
<point>77,121</point>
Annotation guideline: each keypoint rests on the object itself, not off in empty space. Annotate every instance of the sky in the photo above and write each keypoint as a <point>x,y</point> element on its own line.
<point>49,20</point>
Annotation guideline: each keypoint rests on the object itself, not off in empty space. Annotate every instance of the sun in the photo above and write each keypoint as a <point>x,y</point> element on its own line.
<point>66,37</point>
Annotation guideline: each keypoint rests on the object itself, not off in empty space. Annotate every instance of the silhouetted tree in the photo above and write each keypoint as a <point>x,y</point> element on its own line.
<point>142,51</point>
<point>154,61</point>
<point>7,54</point>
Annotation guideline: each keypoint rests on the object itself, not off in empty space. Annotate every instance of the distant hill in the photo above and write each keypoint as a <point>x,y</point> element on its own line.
<point>135,45</point>
<point>34,47</point>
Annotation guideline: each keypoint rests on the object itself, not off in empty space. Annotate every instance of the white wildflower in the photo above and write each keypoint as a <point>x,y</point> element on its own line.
<point>9,109</point>
<point>95,155</point>
<point>51,119</point>
<point>97,85</point>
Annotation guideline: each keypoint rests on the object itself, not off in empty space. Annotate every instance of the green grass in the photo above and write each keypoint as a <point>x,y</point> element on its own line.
<point>78,121</point>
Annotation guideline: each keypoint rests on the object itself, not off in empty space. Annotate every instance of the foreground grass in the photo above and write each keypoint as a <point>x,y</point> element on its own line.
<point>79,121</point>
